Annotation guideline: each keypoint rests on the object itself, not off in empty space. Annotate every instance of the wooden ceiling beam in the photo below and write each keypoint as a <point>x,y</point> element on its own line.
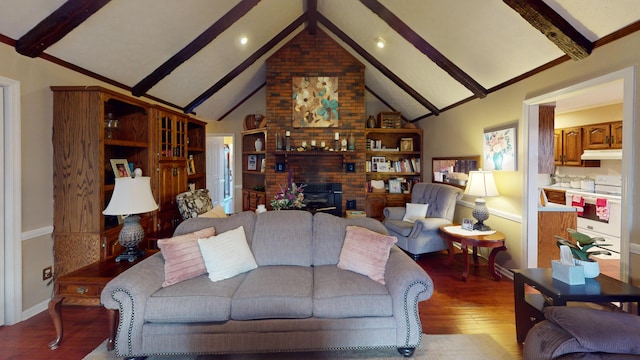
<point>245,64</point>
<point>228,19</point>
<point>312,16</point>
<point>378,65</point>
<point>553,26</point>
<point>421,44</point>
<point>57,25</point>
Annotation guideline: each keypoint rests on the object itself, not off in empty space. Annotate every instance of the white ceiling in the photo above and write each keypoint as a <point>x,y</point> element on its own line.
<point>127,40</point>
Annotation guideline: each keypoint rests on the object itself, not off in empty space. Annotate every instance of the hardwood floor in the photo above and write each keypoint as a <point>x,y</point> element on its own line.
<point>480,305</point>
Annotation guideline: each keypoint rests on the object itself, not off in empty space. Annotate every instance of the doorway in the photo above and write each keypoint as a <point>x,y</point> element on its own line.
<point>530,109</point>
<point>220,170</point>
<point>11,200</point>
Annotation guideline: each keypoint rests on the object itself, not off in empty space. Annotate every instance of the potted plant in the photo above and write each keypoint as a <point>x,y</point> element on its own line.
<point>580,250</point>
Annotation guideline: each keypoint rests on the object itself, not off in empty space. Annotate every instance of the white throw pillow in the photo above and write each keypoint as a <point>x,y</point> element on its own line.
<point>415,212</point>
<point>227,255</point>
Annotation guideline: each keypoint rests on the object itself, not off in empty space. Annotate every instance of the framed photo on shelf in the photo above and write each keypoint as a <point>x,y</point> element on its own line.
<point>406,144</point>
<point>395,186</point>
<point>375,161</point>
<point>252,162</point>
<point>467,224</point>
<point>120,168</point>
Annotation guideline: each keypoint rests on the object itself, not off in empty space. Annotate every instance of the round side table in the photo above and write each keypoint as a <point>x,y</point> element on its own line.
<point>495,241</point>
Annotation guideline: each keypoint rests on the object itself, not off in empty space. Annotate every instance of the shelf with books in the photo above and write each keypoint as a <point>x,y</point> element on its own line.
<point>392,165</point>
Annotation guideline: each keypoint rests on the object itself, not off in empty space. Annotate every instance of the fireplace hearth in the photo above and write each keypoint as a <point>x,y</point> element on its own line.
<point>323,197</point>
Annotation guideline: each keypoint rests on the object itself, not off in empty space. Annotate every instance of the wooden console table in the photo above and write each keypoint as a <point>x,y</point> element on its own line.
<point>494,241</point>
<point>83,287</point>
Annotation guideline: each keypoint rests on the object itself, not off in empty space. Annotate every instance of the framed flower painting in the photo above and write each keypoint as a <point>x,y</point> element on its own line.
<point>315,101</point>
<point>500,148</point>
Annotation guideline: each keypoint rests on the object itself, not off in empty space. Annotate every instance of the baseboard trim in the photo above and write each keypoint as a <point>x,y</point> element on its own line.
<point>34,310</point>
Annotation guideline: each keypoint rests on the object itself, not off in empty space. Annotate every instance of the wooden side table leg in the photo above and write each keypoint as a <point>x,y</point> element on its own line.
<point>113,325</point>
<point>451,250</point>
<point>475,256</point>
<point>55,311</point>
<point>492,262</point>
<point>465,253</point>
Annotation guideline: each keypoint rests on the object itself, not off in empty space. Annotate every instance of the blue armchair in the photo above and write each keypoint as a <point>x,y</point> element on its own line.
<point>423,235</point>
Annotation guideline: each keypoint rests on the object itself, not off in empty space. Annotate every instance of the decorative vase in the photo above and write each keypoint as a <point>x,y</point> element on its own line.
<point>258,144</point>
<point>591,267</point>
<point>371,122</point>
<point>260,209</point>
<point>278,141</point>
<point>351,142</point>
<point>497,161</point>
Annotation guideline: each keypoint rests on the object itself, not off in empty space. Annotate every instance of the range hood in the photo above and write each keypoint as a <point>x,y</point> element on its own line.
<point>613,154</point>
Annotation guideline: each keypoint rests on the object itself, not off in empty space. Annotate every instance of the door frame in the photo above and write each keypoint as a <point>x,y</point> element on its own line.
<point>530,183</point>
<point>11,166</point>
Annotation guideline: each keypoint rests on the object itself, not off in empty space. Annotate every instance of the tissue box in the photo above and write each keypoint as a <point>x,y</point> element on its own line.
<point>570,274</point>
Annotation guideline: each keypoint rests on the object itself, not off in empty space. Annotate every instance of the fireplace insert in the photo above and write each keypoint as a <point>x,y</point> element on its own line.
<point>324,197</point>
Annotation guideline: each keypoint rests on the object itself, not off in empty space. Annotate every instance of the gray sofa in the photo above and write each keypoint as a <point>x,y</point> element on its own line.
<point>324,307</point>
<point>583,333</point>
<point>423,236</point>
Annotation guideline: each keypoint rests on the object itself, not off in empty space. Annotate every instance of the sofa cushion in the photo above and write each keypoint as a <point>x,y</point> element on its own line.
<point>329,232</point>
<point>415,212</point>
<point>274,292</point>
<point>227,255</point>
<point>182,257</point>
<point>366,252</point>
<point>339,293</point>
<point>193,300</point>
<point>283,238</point>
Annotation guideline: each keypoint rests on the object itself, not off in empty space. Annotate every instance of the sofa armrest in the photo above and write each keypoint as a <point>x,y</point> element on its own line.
<point>408,284</point>
<point>394,213</point>
<point>128,293</point>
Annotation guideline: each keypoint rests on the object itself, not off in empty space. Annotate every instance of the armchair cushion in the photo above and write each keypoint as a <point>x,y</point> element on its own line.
<point>415,212</point>
<point>216,212</point>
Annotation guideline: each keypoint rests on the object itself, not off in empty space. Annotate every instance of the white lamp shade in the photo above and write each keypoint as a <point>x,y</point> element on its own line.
<point>481,183</point>
<point>131,196</point>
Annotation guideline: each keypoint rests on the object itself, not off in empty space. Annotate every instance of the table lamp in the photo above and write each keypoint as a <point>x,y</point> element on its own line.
<point>131,196</point>
<point>481,184</point>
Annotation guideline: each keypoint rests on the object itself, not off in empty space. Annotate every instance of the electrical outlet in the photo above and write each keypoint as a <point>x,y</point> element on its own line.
<point>47,273</point>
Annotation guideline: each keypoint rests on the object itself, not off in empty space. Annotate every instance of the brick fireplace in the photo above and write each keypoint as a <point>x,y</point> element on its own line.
<point>316,55</point>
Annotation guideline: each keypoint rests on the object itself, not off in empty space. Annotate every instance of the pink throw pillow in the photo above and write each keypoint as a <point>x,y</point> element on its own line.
<point>366,252</point>
<point>182,257</point>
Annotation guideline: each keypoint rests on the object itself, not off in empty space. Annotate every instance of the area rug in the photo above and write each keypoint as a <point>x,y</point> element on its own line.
<point>432,347</point>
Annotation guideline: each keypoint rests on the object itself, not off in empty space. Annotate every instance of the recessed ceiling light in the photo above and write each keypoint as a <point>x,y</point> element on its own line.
<point>380,42</point>
<point>243,40</point>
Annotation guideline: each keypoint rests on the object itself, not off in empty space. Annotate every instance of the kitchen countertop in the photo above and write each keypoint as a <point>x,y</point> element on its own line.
<point>552,207</point>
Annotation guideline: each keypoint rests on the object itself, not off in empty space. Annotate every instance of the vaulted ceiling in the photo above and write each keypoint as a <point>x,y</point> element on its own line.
<point>438,53</point>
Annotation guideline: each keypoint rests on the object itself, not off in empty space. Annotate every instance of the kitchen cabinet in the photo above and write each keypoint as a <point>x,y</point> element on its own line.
<point>556,196</point>
<point>603,136</point>
<point>568,148</point>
